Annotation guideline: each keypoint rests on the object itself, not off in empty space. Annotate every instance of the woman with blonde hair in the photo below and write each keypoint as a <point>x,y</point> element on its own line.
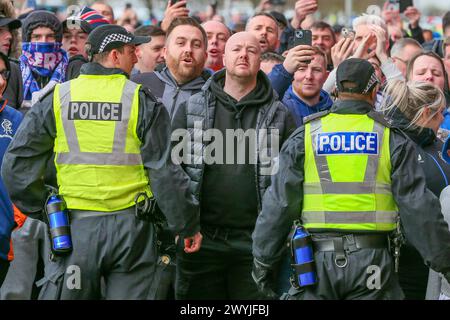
<point>417,109</point>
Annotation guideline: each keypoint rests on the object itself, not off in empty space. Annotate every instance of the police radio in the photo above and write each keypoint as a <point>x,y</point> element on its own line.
<point>59,226</point>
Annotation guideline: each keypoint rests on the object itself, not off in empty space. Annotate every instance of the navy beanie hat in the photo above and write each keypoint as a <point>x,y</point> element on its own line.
<point>41,18</point>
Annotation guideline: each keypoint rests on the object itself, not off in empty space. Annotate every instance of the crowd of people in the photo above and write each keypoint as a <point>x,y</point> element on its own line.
<point>230,134</point>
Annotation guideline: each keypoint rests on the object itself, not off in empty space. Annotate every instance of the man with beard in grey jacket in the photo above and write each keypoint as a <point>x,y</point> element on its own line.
<point>173,84</point>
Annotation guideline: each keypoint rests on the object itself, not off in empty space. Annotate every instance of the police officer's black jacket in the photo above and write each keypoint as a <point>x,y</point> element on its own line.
<point>419,209</point>
<point>27,156</point>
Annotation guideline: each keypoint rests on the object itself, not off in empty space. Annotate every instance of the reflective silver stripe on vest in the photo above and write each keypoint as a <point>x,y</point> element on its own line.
<point>345,188</point>
<point>346,217</point>
<point>327,186</point>
<point>118,155</point>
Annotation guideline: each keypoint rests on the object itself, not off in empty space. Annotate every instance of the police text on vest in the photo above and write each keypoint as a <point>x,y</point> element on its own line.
<point>334,143</point>
<point>106,111</point>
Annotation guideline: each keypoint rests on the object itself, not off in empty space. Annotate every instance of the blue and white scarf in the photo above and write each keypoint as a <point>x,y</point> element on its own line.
<point>45,59</point>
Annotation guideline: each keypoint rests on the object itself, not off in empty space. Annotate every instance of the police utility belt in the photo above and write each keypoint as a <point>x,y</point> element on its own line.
<point>304,244</point>
<point>144,209</point>
<point>349,243</point>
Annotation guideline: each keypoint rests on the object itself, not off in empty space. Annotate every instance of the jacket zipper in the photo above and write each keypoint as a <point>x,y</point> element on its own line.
<point>174,103</point>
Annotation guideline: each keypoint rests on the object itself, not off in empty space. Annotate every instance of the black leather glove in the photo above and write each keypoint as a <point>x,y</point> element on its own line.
<point>262,274</point>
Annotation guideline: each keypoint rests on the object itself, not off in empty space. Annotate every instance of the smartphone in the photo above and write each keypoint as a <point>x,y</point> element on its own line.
<point>277,2</point>
<point>172,2</point>
<point>348,33</point>
<point>405,4</point>
<point>393,5</point>
<point>302,37</point>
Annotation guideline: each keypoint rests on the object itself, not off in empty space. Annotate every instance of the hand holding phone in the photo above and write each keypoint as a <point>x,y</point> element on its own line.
<point>173,2</point>
<point>175,9</point>
<point>298,56</point>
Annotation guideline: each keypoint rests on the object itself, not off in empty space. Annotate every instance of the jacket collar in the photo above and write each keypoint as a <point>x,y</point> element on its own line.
<point>351,107</point>
<point>195,84</point>
<point>94,68</point>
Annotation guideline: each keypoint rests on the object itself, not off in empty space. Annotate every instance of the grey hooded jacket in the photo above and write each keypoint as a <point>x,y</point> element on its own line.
<point>164,87</point>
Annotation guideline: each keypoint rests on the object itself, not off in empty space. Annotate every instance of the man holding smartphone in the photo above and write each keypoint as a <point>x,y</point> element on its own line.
<point>175,9</point>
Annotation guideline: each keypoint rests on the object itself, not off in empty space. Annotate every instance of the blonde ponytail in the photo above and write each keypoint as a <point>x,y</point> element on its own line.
<point>411,98</point>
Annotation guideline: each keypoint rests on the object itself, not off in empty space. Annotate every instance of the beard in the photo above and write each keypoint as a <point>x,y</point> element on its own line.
<point>306,94</point>
<point>181,72</point>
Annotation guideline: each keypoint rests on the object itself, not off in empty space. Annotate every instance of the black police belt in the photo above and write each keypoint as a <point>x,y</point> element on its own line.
<point>349,243</point>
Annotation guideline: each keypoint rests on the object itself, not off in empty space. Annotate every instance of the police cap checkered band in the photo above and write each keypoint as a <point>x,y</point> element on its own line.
<point>115,37</point>
<point>109,36</point>
<point>360,73</point>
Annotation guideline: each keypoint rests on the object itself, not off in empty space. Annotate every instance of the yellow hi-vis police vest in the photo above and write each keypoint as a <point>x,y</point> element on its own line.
<point>347,182</point>
<point>98,161</point>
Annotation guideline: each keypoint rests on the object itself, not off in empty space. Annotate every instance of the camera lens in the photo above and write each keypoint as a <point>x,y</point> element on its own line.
<point>299,34</point>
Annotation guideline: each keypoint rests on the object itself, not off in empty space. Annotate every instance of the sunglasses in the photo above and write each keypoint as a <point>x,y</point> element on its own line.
<point>5,74</point>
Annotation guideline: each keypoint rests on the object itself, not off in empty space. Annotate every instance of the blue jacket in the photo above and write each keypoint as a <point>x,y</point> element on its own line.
<point>9,122</point>
<point>446,123</point>
<point>280,79</point>
<point>300,109</point>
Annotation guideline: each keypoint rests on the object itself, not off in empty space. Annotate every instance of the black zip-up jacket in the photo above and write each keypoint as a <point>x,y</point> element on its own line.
<point>27,156</point>
<point>259,110</point>
<point>419,209</point>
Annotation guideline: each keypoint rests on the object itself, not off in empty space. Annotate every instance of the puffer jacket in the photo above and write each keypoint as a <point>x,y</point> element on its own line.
<point>271,115</point>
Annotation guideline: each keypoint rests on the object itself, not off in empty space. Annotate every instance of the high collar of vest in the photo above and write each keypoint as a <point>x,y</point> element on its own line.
<point>94,68</point>
<point>351,106</point>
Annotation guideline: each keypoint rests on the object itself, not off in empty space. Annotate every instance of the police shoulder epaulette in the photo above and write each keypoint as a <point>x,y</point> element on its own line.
<point>379,117</point>
<point>315,116</point>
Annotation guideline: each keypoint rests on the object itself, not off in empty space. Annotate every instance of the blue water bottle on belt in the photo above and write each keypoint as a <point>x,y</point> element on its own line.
<point>303,257</point>
<point>58,220</point>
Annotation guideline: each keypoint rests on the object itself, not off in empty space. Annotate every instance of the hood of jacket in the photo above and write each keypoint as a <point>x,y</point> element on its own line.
<point>195,84</point>
<point>262,94</point>
<point>421,136</point>
<point>173,94</point>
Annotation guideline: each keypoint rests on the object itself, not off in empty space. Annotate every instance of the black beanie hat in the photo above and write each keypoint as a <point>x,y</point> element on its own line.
<point>41,18</point>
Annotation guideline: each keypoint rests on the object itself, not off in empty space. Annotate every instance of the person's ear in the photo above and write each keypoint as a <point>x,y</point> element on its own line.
<point>115,56</point>
<point>426,113</point>
<point>164,52</point>
<point>138,52</point>
<point>374,93</point>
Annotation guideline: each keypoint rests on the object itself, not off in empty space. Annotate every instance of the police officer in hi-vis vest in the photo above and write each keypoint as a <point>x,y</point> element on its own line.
<point>111,141</point>
<point>347,177</point>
